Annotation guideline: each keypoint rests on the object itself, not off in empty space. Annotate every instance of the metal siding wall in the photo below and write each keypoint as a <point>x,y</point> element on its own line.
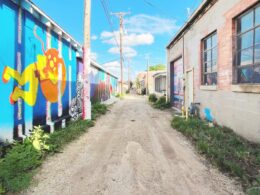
<point>65,97</point>
<point>75,71</point>
<point>8,18</point>
<point>33,48</point>
<point>102,85</point>
<point>31,101</point>
<point>27,63</point>
<point>54,106</point>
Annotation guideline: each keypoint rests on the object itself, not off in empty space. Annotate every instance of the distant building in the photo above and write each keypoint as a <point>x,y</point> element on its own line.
<point>160,83</point>
<point>125,86</point>
<point>142,78</point>
<point>214,60</point>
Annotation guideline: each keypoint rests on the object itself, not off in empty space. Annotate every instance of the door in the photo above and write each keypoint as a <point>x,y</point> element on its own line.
<point>177,95</point>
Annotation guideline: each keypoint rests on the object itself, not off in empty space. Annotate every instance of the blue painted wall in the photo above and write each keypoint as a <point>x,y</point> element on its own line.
<point>40,75</point>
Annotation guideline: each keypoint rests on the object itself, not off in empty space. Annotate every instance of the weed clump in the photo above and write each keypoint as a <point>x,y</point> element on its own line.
<point>161,103</point>
<point>16,168</point>
<point>152,98</point>
<point>97,110</point>
<point>18,164</point>
<point>222,147</point>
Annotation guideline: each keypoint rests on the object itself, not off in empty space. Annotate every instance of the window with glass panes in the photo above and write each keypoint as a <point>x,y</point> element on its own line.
<point>248,46</point>
<point>210,60</point>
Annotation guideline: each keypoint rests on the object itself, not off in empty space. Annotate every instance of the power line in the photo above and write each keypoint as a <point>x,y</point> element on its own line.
<point>115,59</point>
<point>105,6</point>
<point>149,3</point>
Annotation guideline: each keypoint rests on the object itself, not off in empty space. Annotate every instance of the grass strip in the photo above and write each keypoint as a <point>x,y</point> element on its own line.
<point>18,166</point>
<point>223,148</point>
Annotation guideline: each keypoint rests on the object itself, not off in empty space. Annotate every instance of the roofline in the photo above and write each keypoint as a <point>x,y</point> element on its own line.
<point>48,22</point>
<point>160,74</point>
<point>29,6</point>
<point>191,20</point>
<point>95,64</point>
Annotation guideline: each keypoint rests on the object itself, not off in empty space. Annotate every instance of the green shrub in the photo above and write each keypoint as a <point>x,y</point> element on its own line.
<point>120,96</point>
<point>38,139</point>
<point>161,103</point>
<point>161,100</point>
<point>253,191</point>
<point>152,98</point>
<point>143,91</point>
<point>222,147</point>
<point>17,167</point>
<point>2,190</point>
<point>61,137</point>
<point>202,146</point>
<point>1,151</point>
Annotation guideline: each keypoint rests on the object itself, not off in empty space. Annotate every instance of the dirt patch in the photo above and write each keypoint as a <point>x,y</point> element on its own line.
<point>119,156</point>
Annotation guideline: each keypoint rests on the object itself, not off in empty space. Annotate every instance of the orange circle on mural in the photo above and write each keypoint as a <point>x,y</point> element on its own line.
<point>50,89</point>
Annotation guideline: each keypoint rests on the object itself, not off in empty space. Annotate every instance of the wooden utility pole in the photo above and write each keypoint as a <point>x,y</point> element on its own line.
<point>147,86</point>
<point>86,115</point>
<point>128,72</point>
<point>121,18</point>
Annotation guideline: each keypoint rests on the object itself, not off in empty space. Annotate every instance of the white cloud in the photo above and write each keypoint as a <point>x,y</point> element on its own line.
<point>113,64</point>
<point>142,23</point>
<point>106,34</point>
<point>139,39</point>
<point>132,39</point>
<point>142,30</point>
<point>94,37</point>
<point>114,67</point>
<point>94,56</point>
<point>127,51</point>
<point>108,37</point>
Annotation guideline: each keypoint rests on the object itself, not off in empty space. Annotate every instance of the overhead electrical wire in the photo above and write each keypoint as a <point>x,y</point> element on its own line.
<point>108,17</point>
<point>149,3</point>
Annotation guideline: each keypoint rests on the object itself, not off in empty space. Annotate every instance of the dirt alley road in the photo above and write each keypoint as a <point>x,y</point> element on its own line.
<point>131,150</point>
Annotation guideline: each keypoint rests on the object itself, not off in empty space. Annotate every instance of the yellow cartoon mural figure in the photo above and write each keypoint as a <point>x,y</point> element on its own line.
<point>45,71</point>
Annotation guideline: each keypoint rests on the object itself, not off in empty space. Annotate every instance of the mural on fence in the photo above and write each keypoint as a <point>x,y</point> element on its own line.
<point>77,102</point>
<point>102,85</point>
<point>41,76</point>
<point>45,71</point>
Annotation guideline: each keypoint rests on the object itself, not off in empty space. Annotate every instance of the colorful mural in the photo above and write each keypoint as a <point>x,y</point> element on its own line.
<point>177,95</point>
<point>102,85</point>
<point>45,71</point>
<point>41,74</point>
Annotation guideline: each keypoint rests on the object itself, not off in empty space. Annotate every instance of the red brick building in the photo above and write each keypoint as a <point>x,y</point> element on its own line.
<point>214,60</point>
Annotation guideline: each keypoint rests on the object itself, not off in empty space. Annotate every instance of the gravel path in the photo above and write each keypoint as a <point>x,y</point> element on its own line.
<point>131,150</point>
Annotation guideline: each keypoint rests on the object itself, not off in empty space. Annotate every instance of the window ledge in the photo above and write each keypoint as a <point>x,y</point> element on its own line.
<point>208,87</point>
<point>246,88</point>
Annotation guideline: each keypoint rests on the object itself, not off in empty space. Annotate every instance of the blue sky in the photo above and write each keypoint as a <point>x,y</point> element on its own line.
<point>148,29</point>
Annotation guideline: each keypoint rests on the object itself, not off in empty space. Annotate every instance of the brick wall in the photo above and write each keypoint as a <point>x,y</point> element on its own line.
<point>238,110</point>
